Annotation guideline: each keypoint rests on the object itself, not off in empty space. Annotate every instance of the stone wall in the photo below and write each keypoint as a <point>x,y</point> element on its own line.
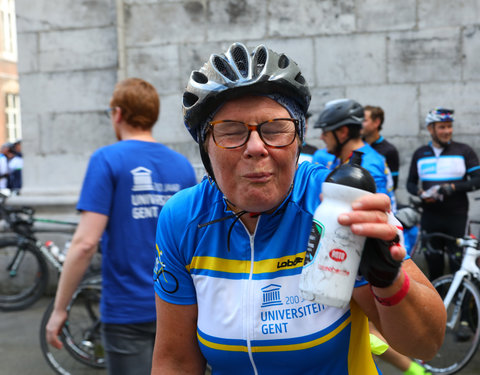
<point>406,56</point>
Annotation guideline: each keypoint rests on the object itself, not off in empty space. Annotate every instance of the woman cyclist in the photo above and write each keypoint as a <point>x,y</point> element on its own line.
<point>230,250</point>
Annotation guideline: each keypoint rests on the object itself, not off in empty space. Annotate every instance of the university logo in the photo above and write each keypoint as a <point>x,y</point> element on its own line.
<point>142,179</point>
<point>271,295</point>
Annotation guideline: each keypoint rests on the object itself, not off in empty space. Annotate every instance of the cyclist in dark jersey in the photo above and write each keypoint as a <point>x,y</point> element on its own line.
<point>441,173</point>
<point>372,125</point>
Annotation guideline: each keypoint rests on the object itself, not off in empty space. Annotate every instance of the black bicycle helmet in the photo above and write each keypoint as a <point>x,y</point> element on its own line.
<point>236,73</point>
<point>338,113</point>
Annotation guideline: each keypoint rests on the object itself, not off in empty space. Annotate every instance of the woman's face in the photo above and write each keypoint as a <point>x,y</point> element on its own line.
<point>254,177</point>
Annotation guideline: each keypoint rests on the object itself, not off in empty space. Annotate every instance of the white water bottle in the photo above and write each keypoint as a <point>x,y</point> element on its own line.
<point>53,248</point>
<point>333,253</point>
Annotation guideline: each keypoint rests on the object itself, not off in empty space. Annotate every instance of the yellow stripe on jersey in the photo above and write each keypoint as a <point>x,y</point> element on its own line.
<point>243,266</point>
<point>360,359</point>
<point>276,348</point>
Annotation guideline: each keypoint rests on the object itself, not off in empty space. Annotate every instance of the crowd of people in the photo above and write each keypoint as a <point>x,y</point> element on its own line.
<point>11,165</point>
<point>440,174</point>
<point>227,252</point>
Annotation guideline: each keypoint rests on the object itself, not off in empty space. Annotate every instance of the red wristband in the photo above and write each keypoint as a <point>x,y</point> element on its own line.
<point>397,297</point>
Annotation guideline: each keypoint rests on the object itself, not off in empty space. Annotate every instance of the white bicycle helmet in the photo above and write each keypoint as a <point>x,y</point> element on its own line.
<point>239,72</point>
<point>439,114</point>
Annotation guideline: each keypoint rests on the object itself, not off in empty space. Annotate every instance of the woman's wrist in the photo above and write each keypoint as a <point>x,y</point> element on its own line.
<point>400,289</point>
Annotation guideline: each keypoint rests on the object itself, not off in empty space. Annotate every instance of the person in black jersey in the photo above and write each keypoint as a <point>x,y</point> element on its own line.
<point>441,173</point>
<point>372,125</point>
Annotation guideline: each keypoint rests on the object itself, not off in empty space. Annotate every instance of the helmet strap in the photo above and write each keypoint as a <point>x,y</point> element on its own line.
<point>206,161</point>
<point>339,146</point>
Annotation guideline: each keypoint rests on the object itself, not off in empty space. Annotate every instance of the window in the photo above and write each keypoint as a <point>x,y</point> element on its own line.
<point>8,45</point>
<point>12,117</point>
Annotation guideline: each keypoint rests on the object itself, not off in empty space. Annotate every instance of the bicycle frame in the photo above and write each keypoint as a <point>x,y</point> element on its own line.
<point>49,256</point>
<point>468,269</point>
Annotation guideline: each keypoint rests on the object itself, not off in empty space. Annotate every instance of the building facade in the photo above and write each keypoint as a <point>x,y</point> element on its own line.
<point>406,57</point>
<point>10,123</point>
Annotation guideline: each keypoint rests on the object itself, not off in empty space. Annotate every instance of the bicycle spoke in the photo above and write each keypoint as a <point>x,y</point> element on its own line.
<point>83,350</point>
<point>462,335</point>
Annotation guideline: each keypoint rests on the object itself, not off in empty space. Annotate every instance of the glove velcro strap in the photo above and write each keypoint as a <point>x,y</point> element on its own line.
<point>377,265</point>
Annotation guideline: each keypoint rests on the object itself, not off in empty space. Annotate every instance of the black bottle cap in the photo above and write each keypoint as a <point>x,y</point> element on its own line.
<point>353,174</point>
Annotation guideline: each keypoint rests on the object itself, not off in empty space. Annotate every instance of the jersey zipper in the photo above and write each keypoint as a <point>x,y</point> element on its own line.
<point>250,310</point>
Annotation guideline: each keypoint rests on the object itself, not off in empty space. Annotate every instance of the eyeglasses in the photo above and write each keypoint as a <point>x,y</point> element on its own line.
<point>108,112</point>
<point>278,133</point>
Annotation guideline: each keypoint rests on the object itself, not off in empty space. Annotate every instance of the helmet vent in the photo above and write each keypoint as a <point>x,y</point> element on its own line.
<point>283,62</point>
<point>199,77</point>
<point>300,79</point>
<point>241,60</point>
<point>189,99</point>
<point>260,60</point>
<point>222,66</point>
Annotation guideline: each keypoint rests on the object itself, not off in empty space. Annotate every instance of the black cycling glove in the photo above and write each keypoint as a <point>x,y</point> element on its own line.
<point>377,265</point>
<point>446,190</point>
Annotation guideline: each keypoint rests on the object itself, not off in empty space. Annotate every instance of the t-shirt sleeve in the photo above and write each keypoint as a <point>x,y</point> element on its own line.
<point>97,189</point>
<point>172,281</point>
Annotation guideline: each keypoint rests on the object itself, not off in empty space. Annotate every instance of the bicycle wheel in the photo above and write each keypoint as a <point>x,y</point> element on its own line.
<point>83,350</point>
<point>23,274</point>
<point>456,350</point>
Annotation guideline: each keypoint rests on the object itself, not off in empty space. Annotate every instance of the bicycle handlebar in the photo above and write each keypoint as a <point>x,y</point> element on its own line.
<point>466,241</point>
<point>429,236</point>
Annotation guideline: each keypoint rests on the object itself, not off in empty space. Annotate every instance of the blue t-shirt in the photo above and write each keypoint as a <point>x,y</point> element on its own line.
<point>130,181</point>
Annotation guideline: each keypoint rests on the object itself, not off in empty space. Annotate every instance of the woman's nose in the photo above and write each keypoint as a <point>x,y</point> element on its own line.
<point>255,144</point>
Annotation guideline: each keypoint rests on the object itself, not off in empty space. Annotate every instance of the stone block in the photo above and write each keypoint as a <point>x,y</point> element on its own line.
<point>78,133</point>
<point>300,50</point>
<point>27,44</point>
<point>55,15</point>
<point>471,53</point>
<point>422,56</point>
<point>67,91</point>
<point>157,64</point>
<point>79,49</point>
<point>462,97</point>
<point>441,13</point>
<point>350,60</point>
<point>399,102</point>
<point>30,133</point>
<point>310,17</point>
<point>55,174</point>
<point>170,127</point>
<point>227,20</point>
<point>372,15</point>
<point>165,23</point>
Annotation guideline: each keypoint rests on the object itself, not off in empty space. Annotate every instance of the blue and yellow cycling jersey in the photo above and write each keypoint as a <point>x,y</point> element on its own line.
<point>251,318</point>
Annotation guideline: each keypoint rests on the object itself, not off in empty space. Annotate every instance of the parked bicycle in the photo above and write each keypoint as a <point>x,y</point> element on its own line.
<point>82,350</point>
<point>23,257</point>
<point>461,295</point>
